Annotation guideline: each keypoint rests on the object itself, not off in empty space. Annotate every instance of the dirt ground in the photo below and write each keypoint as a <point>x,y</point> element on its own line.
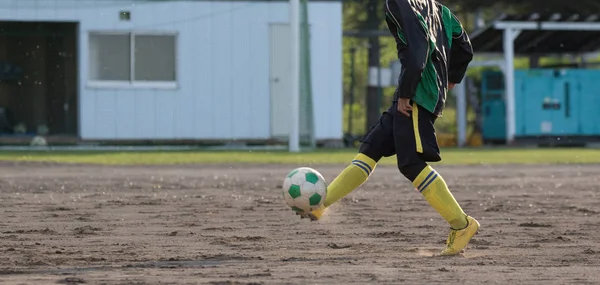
<point>71,224</point>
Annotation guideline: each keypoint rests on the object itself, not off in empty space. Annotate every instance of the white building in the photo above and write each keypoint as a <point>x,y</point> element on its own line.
<point>164,70</point>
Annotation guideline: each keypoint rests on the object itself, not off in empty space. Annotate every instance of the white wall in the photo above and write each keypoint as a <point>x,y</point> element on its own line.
<point>222,67</point>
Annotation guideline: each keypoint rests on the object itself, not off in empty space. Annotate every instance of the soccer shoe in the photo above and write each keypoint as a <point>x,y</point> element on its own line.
<point>314,215</point>
<point>459,239</point>
<point>317,214</point>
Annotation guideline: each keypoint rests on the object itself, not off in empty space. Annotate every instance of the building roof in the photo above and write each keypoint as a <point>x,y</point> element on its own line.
<point>549,33</point>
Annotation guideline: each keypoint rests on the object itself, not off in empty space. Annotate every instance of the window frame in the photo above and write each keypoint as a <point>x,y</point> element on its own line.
<point>132,83</point>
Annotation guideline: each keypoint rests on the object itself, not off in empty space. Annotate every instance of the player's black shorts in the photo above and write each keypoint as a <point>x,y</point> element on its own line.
<point>411,139</point>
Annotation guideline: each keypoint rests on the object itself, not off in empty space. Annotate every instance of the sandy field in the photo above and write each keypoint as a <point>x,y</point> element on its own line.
<point>80,224</point>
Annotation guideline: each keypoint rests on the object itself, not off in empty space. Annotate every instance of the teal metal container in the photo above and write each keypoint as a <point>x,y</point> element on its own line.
<point>550,103</point>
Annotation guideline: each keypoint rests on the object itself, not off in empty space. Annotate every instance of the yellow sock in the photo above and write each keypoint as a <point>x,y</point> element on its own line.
<point>350,178</point>
<point>436,192</point>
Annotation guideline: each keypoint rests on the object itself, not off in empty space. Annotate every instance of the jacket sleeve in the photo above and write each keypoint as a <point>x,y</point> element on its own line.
<point>461,52</point>
<point>413,54</point>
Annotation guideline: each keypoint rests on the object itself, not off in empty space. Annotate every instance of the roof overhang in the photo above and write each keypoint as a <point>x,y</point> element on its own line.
<point>550,34</point>
<point>548,26</point>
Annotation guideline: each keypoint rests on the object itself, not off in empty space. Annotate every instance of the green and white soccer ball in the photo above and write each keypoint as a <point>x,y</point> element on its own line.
<point>304,189</point>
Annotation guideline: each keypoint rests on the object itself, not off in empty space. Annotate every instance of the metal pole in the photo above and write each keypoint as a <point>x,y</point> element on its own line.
<point>351,91</point>
<point>460,91</point>
<point>479,22</point>
<point>379,90</point>
<point>509,81</point>
<point>294,140</point>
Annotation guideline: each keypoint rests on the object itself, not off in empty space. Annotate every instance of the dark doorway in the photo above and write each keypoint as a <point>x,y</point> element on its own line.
<point>38,79</point>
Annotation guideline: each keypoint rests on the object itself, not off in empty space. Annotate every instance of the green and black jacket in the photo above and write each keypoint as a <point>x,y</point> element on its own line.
<point>433,49</point>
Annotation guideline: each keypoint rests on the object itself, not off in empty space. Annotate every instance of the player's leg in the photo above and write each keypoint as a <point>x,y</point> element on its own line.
<point>416,137</point>
<point>352,177</point>
<point>376,144</point>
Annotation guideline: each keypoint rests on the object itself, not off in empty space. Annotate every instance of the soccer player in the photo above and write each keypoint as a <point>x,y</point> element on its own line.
<point>435,51</point>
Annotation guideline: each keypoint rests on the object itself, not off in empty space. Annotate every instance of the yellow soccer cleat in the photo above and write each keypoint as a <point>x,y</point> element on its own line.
<point>317,214</point>
<point>459,239</point>
<point>314,215</point>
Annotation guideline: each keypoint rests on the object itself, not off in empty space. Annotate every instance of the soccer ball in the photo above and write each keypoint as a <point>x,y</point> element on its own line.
<point>38,141</point>
<point>304,189</point>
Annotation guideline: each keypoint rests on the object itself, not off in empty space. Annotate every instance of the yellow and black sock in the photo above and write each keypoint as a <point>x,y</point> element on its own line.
<point>350,178</point>
<point>436,192</point>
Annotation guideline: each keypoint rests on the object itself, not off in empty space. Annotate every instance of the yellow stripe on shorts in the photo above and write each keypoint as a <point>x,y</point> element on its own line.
<point>415,119</point>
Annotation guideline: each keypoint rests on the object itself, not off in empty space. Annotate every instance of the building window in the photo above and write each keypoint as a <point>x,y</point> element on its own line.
<point>132,59</point>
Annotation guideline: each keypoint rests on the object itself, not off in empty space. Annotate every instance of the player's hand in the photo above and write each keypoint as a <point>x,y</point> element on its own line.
<point>404,106</point>
<point>451,85</point>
